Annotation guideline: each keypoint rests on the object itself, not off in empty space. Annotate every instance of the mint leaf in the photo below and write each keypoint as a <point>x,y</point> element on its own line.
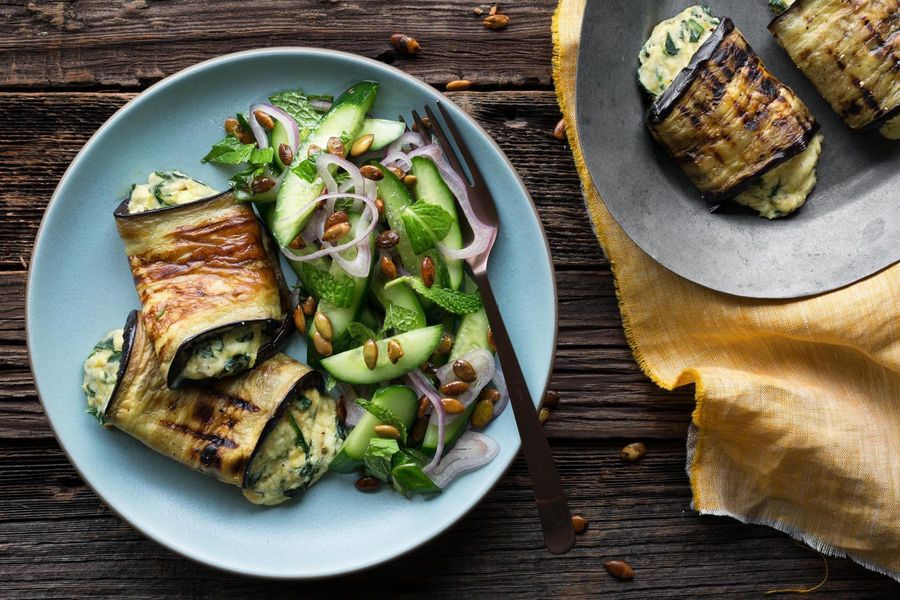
<point>306,170</point>
<point>262,156</point>
<point>453,301</point>
<point>407,475</point>
<point>402,319</point>
<point>378,457</point>
<point>337,289</point>
<point>296,104</point>
<point>229,151</point>
<point>242,183</point>
<point>358,334</point>
<point>384,415</point>
<point>425,225</point>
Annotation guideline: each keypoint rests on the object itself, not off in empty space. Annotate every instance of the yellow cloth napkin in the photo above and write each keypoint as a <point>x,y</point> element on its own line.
<point>797,423</point>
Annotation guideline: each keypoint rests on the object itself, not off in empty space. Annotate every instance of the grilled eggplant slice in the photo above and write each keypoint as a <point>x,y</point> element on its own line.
<point>850,50</point>
<point>269,431</point>
<point>214,301</point>
<point>726,119</point>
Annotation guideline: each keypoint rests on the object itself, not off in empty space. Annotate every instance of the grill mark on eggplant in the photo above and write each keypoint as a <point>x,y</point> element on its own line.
<point>235,401</point>
<point>200,435</point>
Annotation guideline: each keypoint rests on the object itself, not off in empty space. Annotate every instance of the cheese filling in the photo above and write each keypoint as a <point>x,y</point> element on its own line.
<point>667,51</point>
<point>166,188</point>
<point>296,452</point>
<point>101,370</point>
<point>223,354</point>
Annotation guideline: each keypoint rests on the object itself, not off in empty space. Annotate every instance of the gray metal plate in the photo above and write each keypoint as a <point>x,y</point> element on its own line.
<point>848,229</point>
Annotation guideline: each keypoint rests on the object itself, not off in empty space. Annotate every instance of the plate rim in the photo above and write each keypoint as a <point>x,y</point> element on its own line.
<point>580,107</point>
<point>283,52</point>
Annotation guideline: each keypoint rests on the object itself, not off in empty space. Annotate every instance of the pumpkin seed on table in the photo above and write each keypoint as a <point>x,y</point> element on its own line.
<point>454,388</point>
<point>633,451</point>
<point>484,412</point>
<point>367,484</point>
<point>620,569</point>
<point>370,354</point>
<point>496,21</point>
<point>387,431</point>
<point>362,144</point>
<point>458,85</point>
<point>579,524</point>
<point>544,415</point>
<point>559,132</point>
<point>464,370</point>
<point>405,44</point>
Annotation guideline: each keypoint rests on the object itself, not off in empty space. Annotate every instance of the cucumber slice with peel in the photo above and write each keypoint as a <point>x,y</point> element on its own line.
<point>417,345</point>
<point>385,131</point>
<point>398,399</point>
<point>431,189</point>
<point>453,430</point>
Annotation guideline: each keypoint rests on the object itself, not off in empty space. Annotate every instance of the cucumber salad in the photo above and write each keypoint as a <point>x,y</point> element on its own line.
<point>370,217</point>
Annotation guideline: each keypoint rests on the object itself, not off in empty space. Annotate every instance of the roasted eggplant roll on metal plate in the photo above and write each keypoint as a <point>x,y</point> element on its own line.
<point>850,50</point>
<point>214,301</point>
<point>725,118</point>
<point>270,431</point>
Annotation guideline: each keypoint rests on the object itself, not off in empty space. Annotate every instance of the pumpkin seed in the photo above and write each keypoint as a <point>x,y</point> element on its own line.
<point>551,399</point>
<point>620,569</point>
<point>371,172</point>
<point>370,354</point>
<point>264,119</point>
<point>395,351</point>
<point>464,370</point>
<point>309,306</point>
<point>484,412</point>
<point>387,431</point>
<point>285,154</point>
<point>299,320</point>
<point>424,403</point>
<point>458,85</point>
<point>405,44</point>
<point>298,243</point>
<point>362,144</point>
<point>231,125</point>
<point>454,388</point>
<point>387,239</point>
<point>490,340</point>
<point>313,150</point>
<point>544,415</point>
<point>379,204</point>
<point>397,171</point>
<point>427,271</point>
<point>559,132</point>
<point>262,184</point>
<point>336,232</point>
<point>336,218</point>
<point>336,147</point>
<point>490,394</point>
<point>452,406</point>
<point>445,345</point>
<point>633,451</point>
<point>322,345</point>
<point>409,181</point>
<point>323,325</point>
<point>367,484</point>
<point>579,524</point>
<point>388,268</point>
<point>496,21</point>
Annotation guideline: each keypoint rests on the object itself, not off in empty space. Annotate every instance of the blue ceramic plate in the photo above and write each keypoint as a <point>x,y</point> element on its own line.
<point>80,287</point>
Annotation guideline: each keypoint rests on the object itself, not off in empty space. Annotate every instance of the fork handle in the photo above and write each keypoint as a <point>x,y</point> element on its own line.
<point>556,520</point>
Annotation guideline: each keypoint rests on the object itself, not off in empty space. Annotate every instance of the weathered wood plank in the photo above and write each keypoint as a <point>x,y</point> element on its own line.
<point>134,43</point>
<point>60,541</point>
<point>604,394</point>
<point>43,132</point>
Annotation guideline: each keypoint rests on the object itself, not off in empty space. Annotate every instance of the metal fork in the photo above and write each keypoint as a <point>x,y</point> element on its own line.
<point>556,521</point>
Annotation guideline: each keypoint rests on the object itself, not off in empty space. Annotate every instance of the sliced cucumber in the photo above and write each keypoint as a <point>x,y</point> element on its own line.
<point>417,346</point>
<point>398,399</point>
<point>452,431</point>
<point>431,188</point>
<point>398,295</point>
<point>344,118</point>
<point>385,131</point>
<point>396,198</point>
<point>279,137</point>
<point>472,334</point>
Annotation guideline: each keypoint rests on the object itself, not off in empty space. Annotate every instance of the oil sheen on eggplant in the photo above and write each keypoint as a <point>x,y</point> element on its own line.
<point>851,52</point>
<point>780,190</point>
<point>267,431</point>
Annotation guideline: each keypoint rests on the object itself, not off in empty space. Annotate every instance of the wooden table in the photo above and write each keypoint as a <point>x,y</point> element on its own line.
<point>68,65</point>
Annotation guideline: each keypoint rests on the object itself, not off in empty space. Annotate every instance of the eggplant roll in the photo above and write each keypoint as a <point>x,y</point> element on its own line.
<point>270,431</point>
<point>726,119</point>
<point>850,50</point>
<point>214,301</point>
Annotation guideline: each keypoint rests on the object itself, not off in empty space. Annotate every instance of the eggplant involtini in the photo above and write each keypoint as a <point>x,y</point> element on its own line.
<point>213,299</point>
<point>735,130</point>
<point>270,431</point>
<point>850,50</point>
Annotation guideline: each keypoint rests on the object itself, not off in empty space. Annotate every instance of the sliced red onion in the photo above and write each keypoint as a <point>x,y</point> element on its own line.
<point>328,249</point>
<point>423,387</point>
<point>471,451</point>
<point>397,157</point>
<point>325,160</point>
<point>354,410</point>
<point>320,105</point>
<point>483,363</point>
<point>259,132</point>
<point>361,263</point>
<point>500,384</point>
<point>410,138</point>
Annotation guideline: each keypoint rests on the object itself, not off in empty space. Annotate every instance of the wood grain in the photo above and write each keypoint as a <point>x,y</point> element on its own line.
<point>134,43</point>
